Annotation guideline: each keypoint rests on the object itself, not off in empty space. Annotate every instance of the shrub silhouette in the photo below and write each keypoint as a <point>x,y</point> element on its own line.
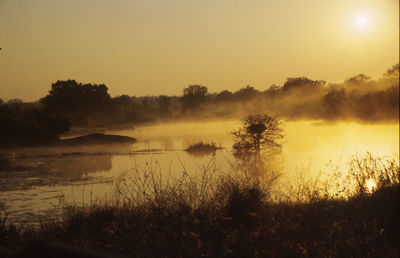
<point>244,201</point>
<point>259,135</point>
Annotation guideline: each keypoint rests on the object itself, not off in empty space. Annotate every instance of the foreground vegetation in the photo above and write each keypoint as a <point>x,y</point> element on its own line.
<point>228,215</point>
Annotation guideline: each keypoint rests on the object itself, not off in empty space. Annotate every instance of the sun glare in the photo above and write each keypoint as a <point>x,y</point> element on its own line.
<point>362,21</point>
<point>371,185</point>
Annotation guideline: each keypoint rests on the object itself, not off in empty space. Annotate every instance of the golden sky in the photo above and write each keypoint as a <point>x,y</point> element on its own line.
<point>153,47</point>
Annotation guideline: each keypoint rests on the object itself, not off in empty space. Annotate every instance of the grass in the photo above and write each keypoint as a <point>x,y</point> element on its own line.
<point>154,215</point>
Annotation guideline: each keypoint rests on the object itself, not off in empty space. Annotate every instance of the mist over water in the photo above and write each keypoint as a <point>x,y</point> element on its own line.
<point>36,179</point>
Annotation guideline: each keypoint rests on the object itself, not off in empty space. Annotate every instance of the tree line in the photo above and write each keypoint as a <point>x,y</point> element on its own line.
<point>71,103</point>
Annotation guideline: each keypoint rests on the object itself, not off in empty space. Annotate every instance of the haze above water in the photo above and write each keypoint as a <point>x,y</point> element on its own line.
<point>76,175</point>
<point>311,143</point>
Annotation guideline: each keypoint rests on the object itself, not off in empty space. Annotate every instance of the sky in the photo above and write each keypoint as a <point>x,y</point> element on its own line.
<point>154,47</point>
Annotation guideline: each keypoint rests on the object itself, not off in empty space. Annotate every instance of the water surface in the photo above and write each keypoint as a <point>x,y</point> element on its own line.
<point>35,180</point>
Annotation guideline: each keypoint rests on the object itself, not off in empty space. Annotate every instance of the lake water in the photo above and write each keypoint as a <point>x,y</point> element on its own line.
<point>35,180</point>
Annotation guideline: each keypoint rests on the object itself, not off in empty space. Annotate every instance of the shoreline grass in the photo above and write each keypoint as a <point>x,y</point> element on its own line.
<point>228,215</point>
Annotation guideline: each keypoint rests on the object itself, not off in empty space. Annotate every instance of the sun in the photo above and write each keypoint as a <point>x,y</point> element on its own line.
<point>362,21</point>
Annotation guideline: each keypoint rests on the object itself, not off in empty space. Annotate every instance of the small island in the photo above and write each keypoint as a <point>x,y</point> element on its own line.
<point>96,138</point>
<point>202,148</point>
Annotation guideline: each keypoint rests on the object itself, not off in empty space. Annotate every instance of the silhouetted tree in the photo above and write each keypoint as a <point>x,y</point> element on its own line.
<point>360,78</point>
<point>122,110</point>
<point>194,96</point>
<point>28,123</point>
<point>164,102</point>
<point>175,107</point>
<point>334,101</point>
<point>273,91</point>
<point>224,95</point>
<point>195,90</point>
<point>259,135</point>
<point>394,71</point>
<point>380,105</point>
<point>121,101</point>
<point>76,100</point>
<point>303,84</point>
<point>246,93</point>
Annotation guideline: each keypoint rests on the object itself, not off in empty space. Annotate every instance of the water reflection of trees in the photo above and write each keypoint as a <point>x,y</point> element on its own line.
<point>28,172</point>
<point>75,166</point>
<point>202,153</point>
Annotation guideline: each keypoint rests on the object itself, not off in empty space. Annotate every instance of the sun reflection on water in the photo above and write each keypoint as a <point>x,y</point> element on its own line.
<point>371,185</point>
